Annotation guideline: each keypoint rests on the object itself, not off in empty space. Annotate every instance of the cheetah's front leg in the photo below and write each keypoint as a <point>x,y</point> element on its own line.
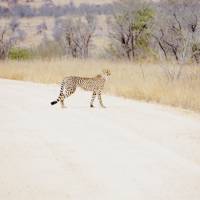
<point>100,99</point>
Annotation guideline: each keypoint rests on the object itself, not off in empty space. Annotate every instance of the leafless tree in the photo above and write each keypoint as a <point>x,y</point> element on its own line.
<point>41,28</point>
<point>78,35</point>
<point>5,45</point>
<point>177,30</point>
<point>9,36</point>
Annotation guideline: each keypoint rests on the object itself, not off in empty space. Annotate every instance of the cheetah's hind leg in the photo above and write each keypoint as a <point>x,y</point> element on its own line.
<point>92,100</point>
<point>62,98</point>
<point>68,92</point>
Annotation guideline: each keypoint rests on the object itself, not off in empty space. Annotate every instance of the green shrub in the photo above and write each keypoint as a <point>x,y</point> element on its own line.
<point>20,54</point>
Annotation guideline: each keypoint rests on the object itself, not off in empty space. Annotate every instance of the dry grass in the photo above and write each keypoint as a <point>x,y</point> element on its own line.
<point>147,82</point>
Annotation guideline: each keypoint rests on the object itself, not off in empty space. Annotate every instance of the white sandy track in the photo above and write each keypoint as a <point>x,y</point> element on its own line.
<point>129,151</point>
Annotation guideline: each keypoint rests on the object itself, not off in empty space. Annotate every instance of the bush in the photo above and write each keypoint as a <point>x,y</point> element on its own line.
<point>20,54</point>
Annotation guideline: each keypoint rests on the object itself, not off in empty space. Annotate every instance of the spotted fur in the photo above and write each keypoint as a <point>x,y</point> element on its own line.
<point>94,84</point>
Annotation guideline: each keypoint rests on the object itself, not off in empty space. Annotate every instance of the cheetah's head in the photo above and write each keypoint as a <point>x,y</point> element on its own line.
<point>106,72</point>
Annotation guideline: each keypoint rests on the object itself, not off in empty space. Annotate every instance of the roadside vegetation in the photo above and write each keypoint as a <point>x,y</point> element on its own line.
<point>142,81</point>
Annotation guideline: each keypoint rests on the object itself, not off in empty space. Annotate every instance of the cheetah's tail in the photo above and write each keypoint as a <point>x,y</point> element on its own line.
<point>54,102</point>
<point>61,93</point>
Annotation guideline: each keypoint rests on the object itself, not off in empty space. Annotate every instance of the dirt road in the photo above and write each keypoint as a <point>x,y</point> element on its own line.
<point>130,150</point>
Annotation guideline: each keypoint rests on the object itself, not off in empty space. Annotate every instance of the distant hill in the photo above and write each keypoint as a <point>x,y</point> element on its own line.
<point>38,3</point>
<point>36,19</point>
<point>35,8</point>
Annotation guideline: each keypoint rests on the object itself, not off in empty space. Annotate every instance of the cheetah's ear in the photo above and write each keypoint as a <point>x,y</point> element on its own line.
<point>107,72</point>
<point>104,71</point>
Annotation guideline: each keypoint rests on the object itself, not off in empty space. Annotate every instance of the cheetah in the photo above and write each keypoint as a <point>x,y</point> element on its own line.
<point>94,84</point>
